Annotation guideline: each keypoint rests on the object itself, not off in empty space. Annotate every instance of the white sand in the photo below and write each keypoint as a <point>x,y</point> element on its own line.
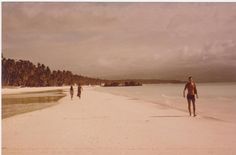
<point>18,90</point>
<point>105,124</point>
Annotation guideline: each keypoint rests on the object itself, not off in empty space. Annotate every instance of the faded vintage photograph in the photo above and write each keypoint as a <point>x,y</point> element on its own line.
<point>118,78</point>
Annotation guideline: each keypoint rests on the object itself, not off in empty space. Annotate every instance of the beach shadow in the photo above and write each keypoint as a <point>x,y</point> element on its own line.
<point>205,117</point>
<point>213,119</point>
<point>169,116</point>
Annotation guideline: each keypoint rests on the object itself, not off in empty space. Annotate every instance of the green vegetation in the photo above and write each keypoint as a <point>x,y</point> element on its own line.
<point>26,74</point>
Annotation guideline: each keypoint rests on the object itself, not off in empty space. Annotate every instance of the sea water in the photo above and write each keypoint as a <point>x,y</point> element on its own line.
<point>13,104</point>
<point>216,100</point>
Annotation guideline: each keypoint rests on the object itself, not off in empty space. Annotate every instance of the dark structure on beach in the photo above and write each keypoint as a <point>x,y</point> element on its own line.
<point>122,84</point>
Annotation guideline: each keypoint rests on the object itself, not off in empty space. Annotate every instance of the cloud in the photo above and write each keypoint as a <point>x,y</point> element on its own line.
<point>136,40</point>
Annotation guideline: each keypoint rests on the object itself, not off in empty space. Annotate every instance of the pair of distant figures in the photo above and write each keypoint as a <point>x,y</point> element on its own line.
<point>78,91</point>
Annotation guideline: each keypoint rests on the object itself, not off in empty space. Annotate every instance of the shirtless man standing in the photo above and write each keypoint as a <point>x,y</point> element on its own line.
<point>192,90</point>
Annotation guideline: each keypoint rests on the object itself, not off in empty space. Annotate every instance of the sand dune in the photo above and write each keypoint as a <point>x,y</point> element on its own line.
<point>102,123</point>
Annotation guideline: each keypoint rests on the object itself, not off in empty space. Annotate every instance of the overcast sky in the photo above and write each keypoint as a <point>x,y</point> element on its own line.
<point>125,40</point>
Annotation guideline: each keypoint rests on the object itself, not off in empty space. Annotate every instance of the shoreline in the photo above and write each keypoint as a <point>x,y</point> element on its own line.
<point>103,123</point>
<point>19,90</point>
<point>211,103</point>
<point>162,105</point>
<point>18,101</point>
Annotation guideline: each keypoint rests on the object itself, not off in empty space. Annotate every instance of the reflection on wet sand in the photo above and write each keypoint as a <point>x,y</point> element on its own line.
<point>14,104</point>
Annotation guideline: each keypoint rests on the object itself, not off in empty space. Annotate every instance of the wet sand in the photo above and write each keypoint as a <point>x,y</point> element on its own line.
<point>13,104</point>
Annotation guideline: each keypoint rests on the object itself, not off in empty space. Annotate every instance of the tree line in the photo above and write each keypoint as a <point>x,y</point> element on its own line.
<point>25,73</point>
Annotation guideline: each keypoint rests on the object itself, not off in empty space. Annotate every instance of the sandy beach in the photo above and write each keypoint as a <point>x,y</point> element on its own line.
<point>104,124</point>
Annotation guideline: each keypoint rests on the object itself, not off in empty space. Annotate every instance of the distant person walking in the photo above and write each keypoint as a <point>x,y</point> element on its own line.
<point>71,92</point>
<point>192,91</point>
<point>79,90</point>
